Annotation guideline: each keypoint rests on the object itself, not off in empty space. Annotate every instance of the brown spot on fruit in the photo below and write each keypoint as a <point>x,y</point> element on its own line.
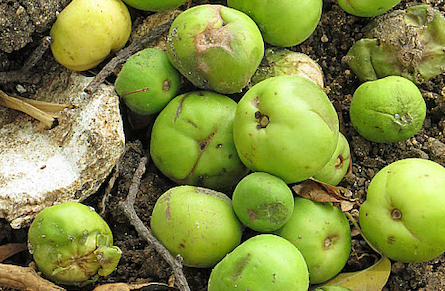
<point>396,214</point>
<point>166,85</point>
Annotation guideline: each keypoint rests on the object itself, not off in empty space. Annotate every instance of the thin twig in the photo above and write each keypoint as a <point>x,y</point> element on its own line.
<point>124,54</point>
<point>128,207</point>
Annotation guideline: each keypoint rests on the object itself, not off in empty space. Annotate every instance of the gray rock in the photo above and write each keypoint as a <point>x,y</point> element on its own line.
<point>40,167</point>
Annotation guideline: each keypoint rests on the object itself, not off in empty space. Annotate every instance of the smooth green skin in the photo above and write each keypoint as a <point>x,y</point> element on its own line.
<point>301,133</point>
<point>215,47</point>
<point>322,234</point>
<point>263,202</point>
<point>147,81</point>
<point>414,188</point>
<point>334,171</point>
<point>332,288</point>
<point>367,8</point>
<point>197,223</point>
<point>263,262</point>
<point>86,31</point>
<point>283,23</point>
<point>155,5</point>
<point>71,244</point>
<point>421,28</point>
<point>391,109</point>
<point>192,141</point>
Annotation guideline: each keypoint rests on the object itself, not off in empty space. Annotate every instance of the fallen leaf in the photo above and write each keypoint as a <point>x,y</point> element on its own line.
<point>128,287</point>
<point>373,278</point>
<point>8,250</point>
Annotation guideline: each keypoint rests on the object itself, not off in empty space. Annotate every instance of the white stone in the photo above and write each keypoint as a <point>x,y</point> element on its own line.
<point>40,167</point>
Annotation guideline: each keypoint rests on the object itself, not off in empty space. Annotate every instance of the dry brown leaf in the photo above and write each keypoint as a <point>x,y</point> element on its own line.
<point>128,287</point>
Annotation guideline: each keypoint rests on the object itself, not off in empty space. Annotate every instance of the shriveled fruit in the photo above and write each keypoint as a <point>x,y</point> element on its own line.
<point>197,223</point>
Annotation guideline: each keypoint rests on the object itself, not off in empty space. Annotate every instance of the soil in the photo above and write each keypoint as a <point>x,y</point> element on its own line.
<point>330,42</point>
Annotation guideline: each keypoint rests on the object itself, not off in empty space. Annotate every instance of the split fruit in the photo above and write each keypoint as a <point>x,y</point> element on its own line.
<point>215,47</point>
<point>72,245</point>
<point>391,109</point>
<point>197,223</point>
<point>147,81</point>
<point>403,215</point>
<point>192,141</point>
<point>322,234</point>
<point>263,262</point>
<point>86,31</point>
<point>367,8</point>
<point>263,202</point>
<point>286,126</point>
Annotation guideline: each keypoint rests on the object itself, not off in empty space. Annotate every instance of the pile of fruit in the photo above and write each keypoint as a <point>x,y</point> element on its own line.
<point>257,123</point>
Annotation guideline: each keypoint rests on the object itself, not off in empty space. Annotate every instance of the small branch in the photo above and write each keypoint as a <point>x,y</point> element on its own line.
<point>8,250</point>
<point>128,207</point>
<point>24,278</point>
<point>124,54</point>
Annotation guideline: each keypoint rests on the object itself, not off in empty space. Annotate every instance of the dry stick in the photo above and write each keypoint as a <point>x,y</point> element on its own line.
<point>124,54</point>
<point>128,207</point>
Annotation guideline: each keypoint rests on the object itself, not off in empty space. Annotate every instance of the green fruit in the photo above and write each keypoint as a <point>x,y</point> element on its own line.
<point>147,81</point>
<point>197,223</point>
<point>215,47</point>
<point>155,5</point>
<point>278,62</point>
<point>332,288</point>
<point>283,23</point>
<point>322,234</point>
<point>334,171</point>
<point>263,202</point>
<point>391,109</point>
<point>367,8</point>
<point>263,262</point>
<point>192,141</point>
<point>285,126</point>
<point>86,31</point>
<point>71,244</point>
<point>403,213</point>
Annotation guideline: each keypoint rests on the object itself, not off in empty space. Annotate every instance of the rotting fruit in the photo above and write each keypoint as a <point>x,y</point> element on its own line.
<point>285,126</point>
<point>263,202</point>
<point>283,23</point>
<point>391,109</point>
<point>334,170</point>
<point>147,81</point>
<point>278,62</point>
<point>322,234</point>
<point>192,141</point>
<point>215,47</point>
<point>197,223</point>
<point>367,8</point>
<point>71,244</point>
<point>263,262</point>
<point>403,215</point>
<point>85,32</point>
<point>154,5</point>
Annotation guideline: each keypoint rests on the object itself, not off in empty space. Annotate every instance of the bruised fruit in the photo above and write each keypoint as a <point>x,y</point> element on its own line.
<point>147,81</point>
<point>403,215</point>
<point>322,234</point>
<point>406,43</point>
<point>278,62</point>
<point>192,141</point>
<point>367,8</point>
<point>285,126</point>
<point>263,202</point>
<point>283,23</point>
<point>391,109</point>
<point>215,47</point>
<point>86,31</point>
<point>263,262</point>
<point>155,5</point>
<point>334,171</point>
<point>197,223</point>
<point>72,245</point>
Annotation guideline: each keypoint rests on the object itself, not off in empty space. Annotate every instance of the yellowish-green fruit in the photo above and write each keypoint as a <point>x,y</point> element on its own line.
<point>263,262</point>
<point>263,202</point>
<point>155,5</point>
<point>367,8</point>
<point>85,32</point>
<point>197,223</point>
<point>147,81</point>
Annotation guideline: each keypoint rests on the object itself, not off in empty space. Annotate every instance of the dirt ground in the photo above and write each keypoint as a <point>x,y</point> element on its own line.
<point>333,37</point>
